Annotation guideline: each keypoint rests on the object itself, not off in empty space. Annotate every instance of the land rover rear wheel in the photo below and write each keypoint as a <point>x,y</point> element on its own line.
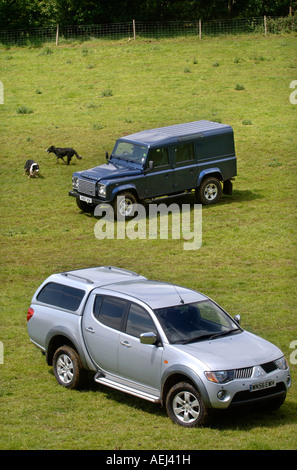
<point>210,191</point>
<point>184,406</point>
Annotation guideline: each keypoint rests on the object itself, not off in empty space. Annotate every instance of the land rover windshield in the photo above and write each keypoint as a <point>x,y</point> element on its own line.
<point>130,152</point>
<point>193,322</point>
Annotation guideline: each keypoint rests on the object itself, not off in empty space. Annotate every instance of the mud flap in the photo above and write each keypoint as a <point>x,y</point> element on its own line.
<point>227,187</point>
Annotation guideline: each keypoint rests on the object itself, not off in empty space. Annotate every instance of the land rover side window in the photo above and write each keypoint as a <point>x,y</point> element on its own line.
<point>183,153</point>
<point>139,321</point>
<point>111,311</point>
<point>159,157</point>
<point>62,296</point>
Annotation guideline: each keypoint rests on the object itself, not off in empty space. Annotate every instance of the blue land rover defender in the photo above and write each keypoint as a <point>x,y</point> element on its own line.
<point>167,161</point>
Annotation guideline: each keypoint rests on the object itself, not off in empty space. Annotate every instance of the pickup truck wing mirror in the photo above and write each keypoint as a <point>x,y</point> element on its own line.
<point>237,319</point>
<point>151,165</point>
<point>148,338</point>
<point>106,155</point>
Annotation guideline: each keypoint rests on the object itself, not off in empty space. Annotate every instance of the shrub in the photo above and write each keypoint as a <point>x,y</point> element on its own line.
<point>106,93</point>
<point>24,110</point>
<point>46,51</point>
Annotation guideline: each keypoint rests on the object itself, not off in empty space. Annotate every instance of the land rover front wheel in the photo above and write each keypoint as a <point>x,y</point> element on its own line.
<point>85,206</point>
<point>125,206</point>
<point>210,191</point>
<point>185,407</point>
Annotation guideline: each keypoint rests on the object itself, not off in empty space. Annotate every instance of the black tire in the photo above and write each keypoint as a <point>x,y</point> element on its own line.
<point>68,368</point>
<point>185,407</point>
<point>125,206</point>
<point>209,191</point>
<point>84,206</point>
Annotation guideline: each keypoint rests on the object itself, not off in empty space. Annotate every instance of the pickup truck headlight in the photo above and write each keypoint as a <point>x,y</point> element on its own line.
<point>101,190</point>
<point>220,376</point>
<point>281,363</point>
<point>75,182</point>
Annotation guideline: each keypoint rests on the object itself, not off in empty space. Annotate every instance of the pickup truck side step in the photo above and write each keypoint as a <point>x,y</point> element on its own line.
<point>101,379</point>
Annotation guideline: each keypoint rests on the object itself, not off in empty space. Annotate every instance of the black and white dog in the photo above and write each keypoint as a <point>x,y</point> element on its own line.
<point>31,169</point>
<point>64,152</point>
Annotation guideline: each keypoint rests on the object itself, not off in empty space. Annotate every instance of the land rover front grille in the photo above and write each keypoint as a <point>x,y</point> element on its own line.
<point>87,187</point>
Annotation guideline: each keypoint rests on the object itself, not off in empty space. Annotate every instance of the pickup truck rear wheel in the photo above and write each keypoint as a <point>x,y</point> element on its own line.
<point>209,191</point>
<point>68,367</point>
<point>184,406</point>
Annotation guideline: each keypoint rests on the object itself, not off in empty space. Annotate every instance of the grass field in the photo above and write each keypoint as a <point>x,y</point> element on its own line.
<point>85,96</point>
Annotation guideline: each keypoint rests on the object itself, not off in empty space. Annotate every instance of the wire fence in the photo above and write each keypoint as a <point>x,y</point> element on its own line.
<point>131,30</point>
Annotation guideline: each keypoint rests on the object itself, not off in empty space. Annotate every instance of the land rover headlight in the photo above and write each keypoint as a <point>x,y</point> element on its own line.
<point>101,190</point>
<point>281,363</point>
<point>220,376</point>
<point>75,182</point>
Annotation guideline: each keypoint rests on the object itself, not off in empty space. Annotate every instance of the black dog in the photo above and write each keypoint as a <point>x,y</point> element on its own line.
<point>64,152</point>
<point>31,169</point>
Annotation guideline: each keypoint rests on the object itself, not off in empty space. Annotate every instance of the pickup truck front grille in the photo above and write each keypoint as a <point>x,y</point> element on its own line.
<point>245,373</point>
<point>87,187</point>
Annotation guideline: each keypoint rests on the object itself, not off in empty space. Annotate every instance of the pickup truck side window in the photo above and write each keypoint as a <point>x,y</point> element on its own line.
<point>110,311</point>
<point>61,296</point>
<point>183,153</point>
<point>159,157</point>
<point>139,321</point>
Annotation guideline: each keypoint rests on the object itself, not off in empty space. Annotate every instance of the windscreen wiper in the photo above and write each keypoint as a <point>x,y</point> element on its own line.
<point>222,333</point>
<point>196,338</point>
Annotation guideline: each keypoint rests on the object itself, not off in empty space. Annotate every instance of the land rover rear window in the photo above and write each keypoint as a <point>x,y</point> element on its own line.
<point>183,153</point>
<point>61,296</point>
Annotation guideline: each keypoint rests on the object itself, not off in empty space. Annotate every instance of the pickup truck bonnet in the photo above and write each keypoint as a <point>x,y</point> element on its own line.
<point>238,351</point>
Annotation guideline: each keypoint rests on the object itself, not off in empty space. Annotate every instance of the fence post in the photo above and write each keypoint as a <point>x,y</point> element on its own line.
<point>57,35</point>
<point>265,25</point>
<point>200,31</point>
<point>134,30</point>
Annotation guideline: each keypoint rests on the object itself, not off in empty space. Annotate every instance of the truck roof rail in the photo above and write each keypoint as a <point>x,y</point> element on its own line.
<point>79,277</point>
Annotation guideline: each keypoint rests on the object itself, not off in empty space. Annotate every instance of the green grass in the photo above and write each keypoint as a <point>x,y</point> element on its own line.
<point>86,96</point>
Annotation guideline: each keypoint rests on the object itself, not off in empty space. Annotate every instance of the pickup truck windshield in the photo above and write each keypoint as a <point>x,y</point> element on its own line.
<point>130,152</point>
<point>195,322</point>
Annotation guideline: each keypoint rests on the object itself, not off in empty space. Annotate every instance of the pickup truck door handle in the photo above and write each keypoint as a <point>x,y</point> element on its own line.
<point>125,343</point>
<point>90,329</point>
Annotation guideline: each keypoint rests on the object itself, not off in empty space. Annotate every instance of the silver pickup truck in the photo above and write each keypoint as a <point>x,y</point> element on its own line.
<point>158,341</point>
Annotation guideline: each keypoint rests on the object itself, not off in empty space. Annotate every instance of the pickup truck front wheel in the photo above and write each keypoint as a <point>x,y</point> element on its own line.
<point>185,407</point>
<point>68,367</point>
<point>209,191</point>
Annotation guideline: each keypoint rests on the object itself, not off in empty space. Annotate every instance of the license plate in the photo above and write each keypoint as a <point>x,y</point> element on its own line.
<point>86,199</point>
<point>262,385</point>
